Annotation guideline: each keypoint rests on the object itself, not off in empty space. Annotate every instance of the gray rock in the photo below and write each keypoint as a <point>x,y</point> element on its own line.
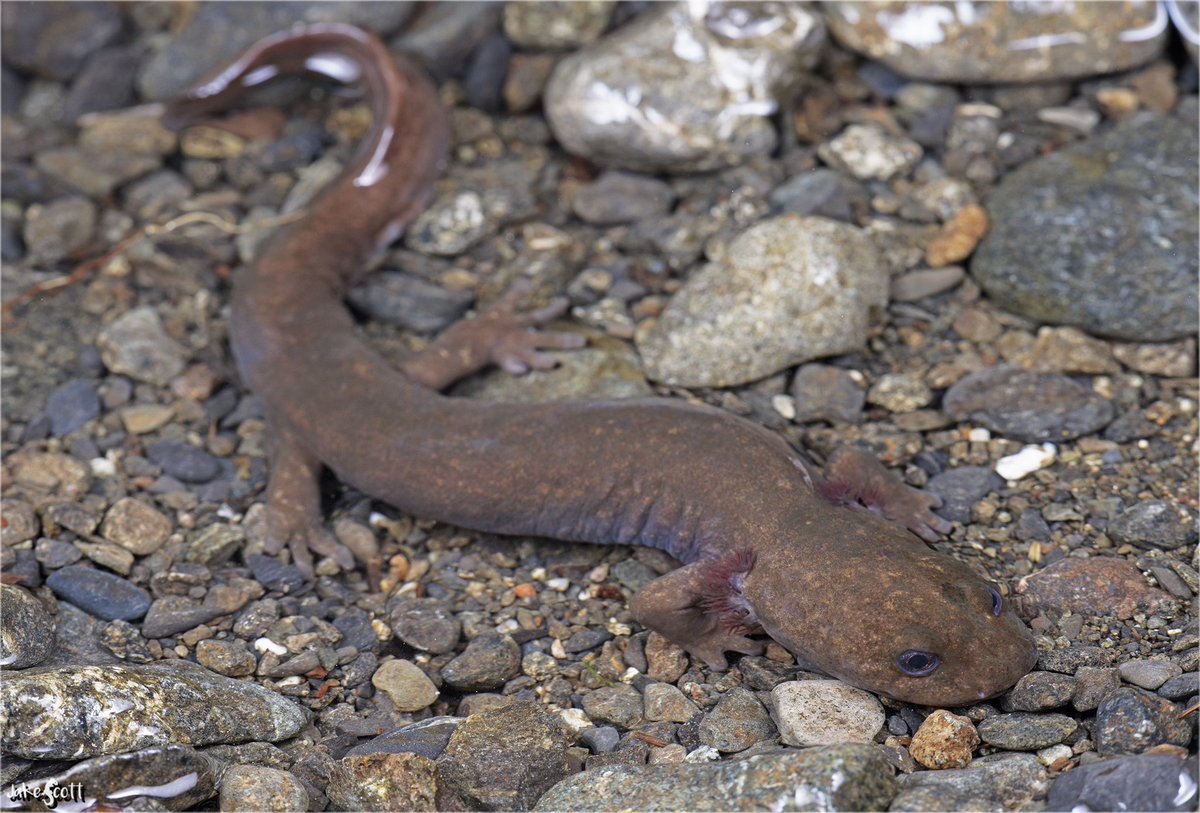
<point>386,781</point>
<point>53,40</point>
<point>1025,406</point>
<point>477,203</point>
<point>171,777</point>
<point>737,722</point>
<point>821,192</point>
<point>72,405</point>
<point>870,153</point>
<point>136,345</point>
<point>1148,674</point>
<point>96,173</point>
<point>184,461</point>
<point>229,658</point>
<point>427,738</point>
<point>256,787</point>
<point>1122,260</point>
<point>1154,525</point>
<point>840,777</point>
<point>1041,691</point>
<point>505,759</point>
<point>136,526</point>
<point>977,43</point>
<point>409,302</point>
<point>1093,684</point>
<point>1021,731</point>
<point>26,629</point>
<point>622,197</point>
<point>601,739</point>
<point>1181,686</point>
<point>825,712</point>
<point>1129,721</point>
<point>788,290</point>
<point>99,593</point>
<point>663,701</point>
<point>646,97</point>
<point>54,231</point>
<point>486,663</point>
<point>168,702</point>
<point>1009,782</point>
<point>171,615</point>
<point>556,26</point>
<point>104,83</point>
<point>619,704</point>
<point>405,685</point>
<point>961,488</point>
<point>825,393</point>
<point>1146,782</point>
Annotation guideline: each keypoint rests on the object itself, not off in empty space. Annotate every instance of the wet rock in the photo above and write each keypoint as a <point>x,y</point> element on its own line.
<point>26,629</point>
<point>405,685</point>
<point>822,192</point>
<point>870,153</point>
<point>899,393</point>
<point>99,593</point>
<point>136,345</point>
<point>54,231</point>
<point>20,522</point>
<point>1041,691</point>
<point>817,277</point>
<point>1181,686</point>
<point>840,777</point>
<point>97,174</point>
<point>50,474</point>
<point>825,712</point>
<point>961,488</point>
<point>663,701</point>
<point>1123,264</point>
<point>172,777</point>
<point>229,658</point>
<point>105,83</point>
<point>944,740</point>
<point>427,738</point>
<point>215,545</point>
<point>139,528</point>
<point>386,782</point>
<point>255,787</point>
<point>1130,721</point>
<point>171,615</point>
<point>645,98</point>
<point>409,302</point>
<point>1008,783</point>
<point>477,203</point>
<point>1021,731</point>
<point>507,758</point>
<point>970,43</point>
<point>1093,684</point>
<point>737,722</point>
<point>556,26</point>
<point>618,704</point>
<point>163,703</point>
<point>53,40</point>
<point>1068,350</point>
<point>1170,359</point>
<point>274,575</point>
<point>486,663</point>
<point>1148,674</point>
<point>622,197</point>
<point>1094,586</point>
<point>1154,525</point>
<point>1146,782</point>
<point>184,461</point>
<point>825,393</point>
<point>1025,406</point>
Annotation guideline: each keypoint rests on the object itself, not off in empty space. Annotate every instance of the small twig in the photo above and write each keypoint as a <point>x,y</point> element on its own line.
<point>149,231</point>
<point>1190,711</point>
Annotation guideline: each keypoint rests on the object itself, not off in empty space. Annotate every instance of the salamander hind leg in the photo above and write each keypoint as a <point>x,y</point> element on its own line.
<point>699,607</point>
<point>294,518</point>
<point>503,335</point>
<point>854,477</point>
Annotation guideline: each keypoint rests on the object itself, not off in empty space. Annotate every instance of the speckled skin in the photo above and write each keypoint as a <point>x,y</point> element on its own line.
<point>766,544</point>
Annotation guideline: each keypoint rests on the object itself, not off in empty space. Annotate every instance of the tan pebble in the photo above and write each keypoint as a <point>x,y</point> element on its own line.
<point>944,740</point>
<point>958,237</point>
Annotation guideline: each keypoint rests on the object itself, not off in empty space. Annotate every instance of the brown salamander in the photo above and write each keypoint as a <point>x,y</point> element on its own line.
<point>767,543</point>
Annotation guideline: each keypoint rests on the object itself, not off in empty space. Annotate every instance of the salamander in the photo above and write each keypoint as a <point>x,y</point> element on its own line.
<point>834,565</point>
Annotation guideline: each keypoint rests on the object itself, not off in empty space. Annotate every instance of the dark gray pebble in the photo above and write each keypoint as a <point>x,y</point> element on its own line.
<point>1130,721</point>
<point>1068,660</point>
<point>425,624</point>
<point>427,738</point>
<point>53,40</point>
<point>1181,686</point>
<point>961,488</point>
<point>1154,525</point>
<point>409,302</point>
<point>1041,691</point>
<point>1025,406</point>
<point>1092,685</point>
<point>26,628</point>
<point>184,461</point>
<point>274,574</point>
<point>1020,731</point>
<point>600,739</point>
<point>72,405</point>
<point>486,663</point>
<point>1143,782</point>
<point>355,626</point>
<point>586,639</point>
<point>825,393</point>
<point>105,83</point>
<point>171,615</point>
<point>100,593</point>
<point>622,197</point>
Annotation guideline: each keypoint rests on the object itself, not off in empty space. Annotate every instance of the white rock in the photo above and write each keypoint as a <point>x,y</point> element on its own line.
<point>1026,461</point>
<point>825,712</point>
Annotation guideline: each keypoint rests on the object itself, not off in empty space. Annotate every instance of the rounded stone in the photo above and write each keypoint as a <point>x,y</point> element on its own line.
<point>26,629</point>
<point>409,688</point>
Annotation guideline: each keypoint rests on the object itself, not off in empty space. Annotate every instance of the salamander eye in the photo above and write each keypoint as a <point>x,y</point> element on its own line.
<point>917,664</point>
<point>997,602</point>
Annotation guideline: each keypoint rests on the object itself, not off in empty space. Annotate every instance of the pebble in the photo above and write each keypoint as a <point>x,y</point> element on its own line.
<point>1025,462</point>
<point>1021,731</point>
<point>1146,782</point>
<point>1068,350</point>
<point>926,282</point>
<point>663,701</point>
<point>1094,586</point>
<point>600,739</point>
<point>899,393</point>
<point>50,473</point>
<point>184,461</point>
<point>409,302</point>
<point>274,575</point>
<point>97,174</point>
<point>960,488</point>
<point>1083,274</point>
<point>55,41</point>
<point>141,419</point>
<point>1170,359</point>
<point>977,43</point>
<point>161,703</point>
<point>556,26</point>
<point>825,712</point>
<point>26,629</point>
<point>505,759</point>
<point>817,276</point>
<point>54,231</point>
<point>944,740</point>
<point>1010,782</point>
<point>215,545</point>
<point>139,528</point>
<point>99,593</point>
<point>646,98</point>
<point>425,624</point>
<point>1025,406</point>
<point>171,615</point>
<point>840,777</point>
<point>356,629</point>
<point>1130,721</point>
<point>479,205</point>
<point>136,345</point>
<point>958,237</point>
<point>427,738</point>
<point>384,781</point>
<point>1041,691</point>
<point>486,663</point>
<point>229,658</point>
<point>20,522</point>
<point>618,705</point>
<point>736,723</point>
<point>1181,686</point>
<point>409,688</point>
<point>622,197</point>
<point>254,787</point>
<point>1154,525</point>
<point>105,83</point>
<point>870,153</point>
<point>665,660</point>
<point>1148,674</point>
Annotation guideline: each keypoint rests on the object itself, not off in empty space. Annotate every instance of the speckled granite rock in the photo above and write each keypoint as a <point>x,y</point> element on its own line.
<point>72,712</point>
<point>840,777</point>
<point>1121,260</point>
<point>788,289</point>
<point>685,88</point>
<point>26,628</point>
<point>975,42</point>
<point>1146,782</point>
<point>1002,782</point>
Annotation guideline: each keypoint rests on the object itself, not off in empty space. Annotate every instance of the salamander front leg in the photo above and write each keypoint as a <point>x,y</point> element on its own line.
<point>294,515</point>
<point>853,476</point>
<point>680,606</point>
<point>502,335</point>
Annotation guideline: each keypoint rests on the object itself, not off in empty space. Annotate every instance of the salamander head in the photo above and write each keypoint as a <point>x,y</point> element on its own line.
<point>892,616</point>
